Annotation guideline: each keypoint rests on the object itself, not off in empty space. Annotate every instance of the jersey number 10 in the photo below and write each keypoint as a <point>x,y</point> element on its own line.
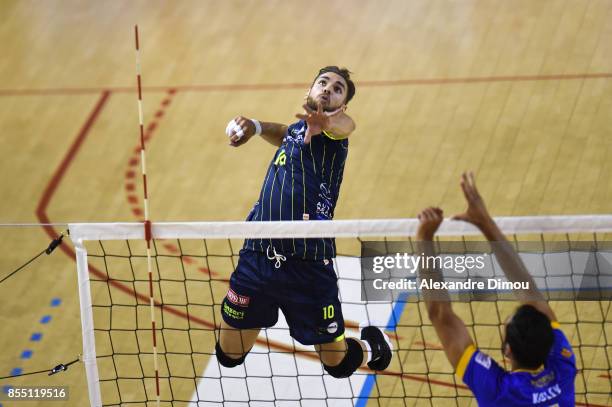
<point>328,312</point>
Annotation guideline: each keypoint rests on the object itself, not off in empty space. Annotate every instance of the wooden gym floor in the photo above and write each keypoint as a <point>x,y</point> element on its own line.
<point>520,92</point>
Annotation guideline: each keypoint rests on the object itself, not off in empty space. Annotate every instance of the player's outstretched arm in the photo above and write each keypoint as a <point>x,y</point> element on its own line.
<point>512,265</point>
<point>341,125</point>
<point>241,129</point>
<point>451,330</point>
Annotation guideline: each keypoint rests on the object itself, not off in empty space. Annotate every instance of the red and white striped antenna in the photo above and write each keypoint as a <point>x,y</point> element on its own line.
<point>147,222</point>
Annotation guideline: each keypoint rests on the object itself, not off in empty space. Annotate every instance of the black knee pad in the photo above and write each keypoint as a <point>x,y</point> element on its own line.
<point>352,360</point>
<point>226,360</point>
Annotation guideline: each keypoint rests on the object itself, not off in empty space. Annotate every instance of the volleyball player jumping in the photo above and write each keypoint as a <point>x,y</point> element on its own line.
<point>297,275</point>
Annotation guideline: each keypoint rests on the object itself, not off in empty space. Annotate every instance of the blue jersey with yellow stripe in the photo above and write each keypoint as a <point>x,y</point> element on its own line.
<point>302,183</point>
<point>551,385</point>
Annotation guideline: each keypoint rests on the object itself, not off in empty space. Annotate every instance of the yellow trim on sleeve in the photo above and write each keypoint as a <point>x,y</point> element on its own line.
<point>332,136</point>
<point>338,339</point>
<point>555,325</point>
<point>465,359</point>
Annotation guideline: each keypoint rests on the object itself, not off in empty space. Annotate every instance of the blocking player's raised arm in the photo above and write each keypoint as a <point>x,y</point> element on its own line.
<point>510,262</point>
<point>451,330</point>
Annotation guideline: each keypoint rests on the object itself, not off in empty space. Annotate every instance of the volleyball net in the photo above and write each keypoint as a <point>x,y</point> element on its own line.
<point>191,265</point>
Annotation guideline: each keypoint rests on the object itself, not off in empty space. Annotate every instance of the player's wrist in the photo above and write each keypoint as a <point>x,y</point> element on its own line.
<point>489,228</point>
<point>257,125</point>
<point>424,236</point>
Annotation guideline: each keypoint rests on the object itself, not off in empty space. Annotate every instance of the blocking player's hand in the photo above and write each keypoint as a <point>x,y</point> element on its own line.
<point>239,130</point>
<point>317,120</point>
<point>429,222</point>
<point>476,212</point>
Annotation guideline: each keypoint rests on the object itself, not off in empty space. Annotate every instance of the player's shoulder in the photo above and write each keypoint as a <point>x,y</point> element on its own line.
<point>481,373</point>
<point>475,363</point>
<point>562,349</point>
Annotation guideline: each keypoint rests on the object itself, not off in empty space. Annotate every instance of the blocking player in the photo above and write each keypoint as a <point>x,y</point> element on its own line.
<point>543,365</point>
<point>297,275</point>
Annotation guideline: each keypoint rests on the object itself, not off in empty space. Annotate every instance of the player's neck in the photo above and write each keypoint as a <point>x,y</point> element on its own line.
<point>518,368</point>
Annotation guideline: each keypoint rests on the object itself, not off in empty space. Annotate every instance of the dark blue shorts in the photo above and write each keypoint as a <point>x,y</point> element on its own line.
<point>306,292</point>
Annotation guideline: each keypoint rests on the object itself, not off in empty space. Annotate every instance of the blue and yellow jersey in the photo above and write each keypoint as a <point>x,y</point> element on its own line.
<point>302,183</point>
<point>551,385</point>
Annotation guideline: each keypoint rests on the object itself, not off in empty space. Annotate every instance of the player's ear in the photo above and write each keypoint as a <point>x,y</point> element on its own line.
<point>507,351</point>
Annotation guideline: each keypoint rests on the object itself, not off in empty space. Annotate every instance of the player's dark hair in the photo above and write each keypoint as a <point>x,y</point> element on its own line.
<point>344,73</point>
<point>530,337</point>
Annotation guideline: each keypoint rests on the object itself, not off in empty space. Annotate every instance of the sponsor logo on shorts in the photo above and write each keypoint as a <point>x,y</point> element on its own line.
<point>232,313</point>
<point>566,353</point>
<point>237,299</point>
<point>332,328</point>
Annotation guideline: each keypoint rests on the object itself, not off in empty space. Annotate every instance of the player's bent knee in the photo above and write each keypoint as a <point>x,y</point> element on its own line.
<point>225,360</point>
<point>352,360</point>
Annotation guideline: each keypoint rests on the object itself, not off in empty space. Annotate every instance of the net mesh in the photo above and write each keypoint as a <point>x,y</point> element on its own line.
<point>190,280</point>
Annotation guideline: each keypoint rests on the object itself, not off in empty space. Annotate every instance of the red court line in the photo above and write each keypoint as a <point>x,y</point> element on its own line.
<point>134,160</point>
<point>41,210</point>
<point>279,86</point>
<point>41,213</point>
<point>130,175</point>
<point>59,172</point>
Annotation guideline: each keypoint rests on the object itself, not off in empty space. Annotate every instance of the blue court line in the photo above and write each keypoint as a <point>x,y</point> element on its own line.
<point>396,313</point>
<point>35,337</point>
<point>16,370</point>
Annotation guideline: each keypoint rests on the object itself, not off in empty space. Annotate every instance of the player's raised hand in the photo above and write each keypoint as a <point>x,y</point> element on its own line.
<point>476,212</point>
<point>429,221</point>
<point>239,130</point>
<point>317,120</point>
